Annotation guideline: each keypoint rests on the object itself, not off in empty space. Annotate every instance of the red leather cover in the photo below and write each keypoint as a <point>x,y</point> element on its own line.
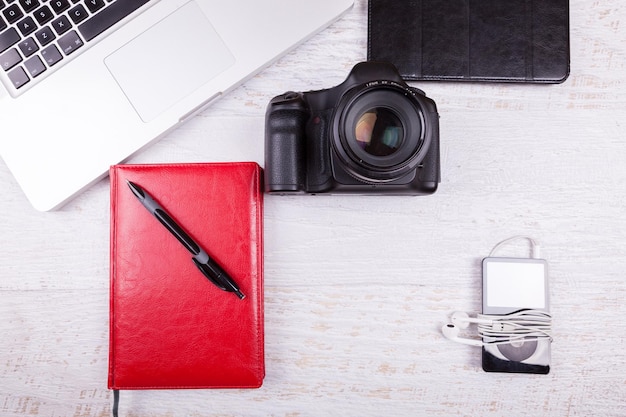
<point>170,327</point>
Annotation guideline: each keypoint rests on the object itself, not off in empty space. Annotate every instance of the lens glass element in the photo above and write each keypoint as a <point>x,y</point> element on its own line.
<point>379,132</point>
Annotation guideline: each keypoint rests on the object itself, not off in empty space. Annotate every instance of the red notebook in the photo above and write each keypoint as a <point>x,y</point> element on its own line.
<point>170,326</point>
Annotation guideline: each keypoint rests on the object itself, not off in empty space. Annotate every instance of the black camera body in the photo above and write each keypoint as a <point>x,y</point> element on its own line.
<point>372,134</point>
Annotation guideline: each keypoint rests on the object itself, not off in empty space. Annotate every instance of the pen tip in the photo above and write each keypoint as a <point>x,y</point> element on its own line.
<point>135,189</point>
<point>240,295</point>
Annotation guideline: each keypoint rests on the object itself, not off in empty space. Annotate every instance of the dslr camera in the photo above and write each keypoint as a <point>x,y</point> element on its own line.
<point>371,134</point>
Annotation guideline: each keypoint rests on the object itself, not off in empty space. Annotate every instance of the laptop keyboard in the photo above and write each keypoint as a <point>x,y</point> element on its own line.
<point>37,35</point>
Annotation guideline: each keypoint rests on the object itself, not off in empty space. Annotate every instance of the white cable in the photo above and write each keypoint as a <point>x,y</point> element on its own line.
<point>535,247</point>
<point>522,325</point>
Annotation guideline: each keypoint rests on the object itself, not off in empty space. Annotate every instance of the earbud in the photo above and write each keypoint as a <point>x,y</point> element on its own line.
<point>463,320</point>
<point>451,332</point>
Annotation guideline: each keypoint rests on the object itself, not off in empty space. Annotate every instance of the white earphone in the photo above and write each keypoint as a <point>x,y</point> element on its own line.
<point>463,320</point>
<point>505,329</point>
<point>450,331</point>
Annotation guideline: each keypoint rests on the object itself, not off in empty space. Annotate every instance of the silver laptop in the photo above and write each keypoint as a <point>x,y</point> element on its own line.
<point>85,84</point>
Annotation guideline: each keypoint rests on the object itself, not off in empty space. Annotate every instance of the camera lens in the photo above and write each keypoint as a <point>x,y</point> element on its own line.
<point>379,132</point>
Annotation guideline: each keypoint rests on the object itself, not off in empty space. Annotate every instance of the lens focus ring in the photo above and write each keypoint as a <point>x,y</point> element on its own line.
<point>379,132</point>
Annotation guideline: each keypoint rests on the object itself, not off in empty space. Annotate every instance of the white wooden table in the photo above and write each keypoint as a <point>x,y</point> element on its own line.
<point>358,287</point>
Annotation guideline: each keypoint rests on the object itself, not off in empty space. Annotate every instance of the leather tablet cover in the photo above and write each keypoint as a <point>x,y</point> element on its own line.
<point>472,40</point>
<point>170,327</point>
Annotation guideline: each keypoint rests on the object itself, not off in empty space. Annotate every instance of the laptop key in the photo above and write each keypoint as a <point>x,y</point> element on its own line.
<point>78,14</point>
<point>13,13</point>
<point>18,77</point>
<point>43,15</point>
<point>59,6</point>
<point>10,59</point>
<point>27,26</point>
<point>29,5</point>
<point>44,36</point>
<point>8,39</point>
<point>109,16</point>
<point>51,55</point>
<point>94,5</point>
<point>61,25</point>
<point>28,47</point>
<point>34,66</point>
<point>70,42</point>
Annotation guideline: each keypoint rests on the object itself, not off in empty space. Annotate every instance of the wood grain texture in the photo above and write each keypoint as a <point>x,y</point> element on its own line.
<point>358,287</point>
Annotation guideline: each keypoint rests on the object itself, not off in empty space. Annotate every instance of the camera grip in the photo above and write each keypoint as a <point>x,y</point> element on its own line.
<point>430,170</point>
<point>285,150</point>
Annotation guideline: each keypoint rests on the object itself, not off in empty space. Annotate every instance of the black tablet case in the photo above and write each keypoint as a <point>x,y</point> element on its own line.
<point>472,40</point>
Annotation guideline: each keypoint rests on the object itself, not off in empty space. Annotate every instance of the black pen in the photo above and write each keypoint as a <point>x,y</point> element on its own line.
<point>200,258</point>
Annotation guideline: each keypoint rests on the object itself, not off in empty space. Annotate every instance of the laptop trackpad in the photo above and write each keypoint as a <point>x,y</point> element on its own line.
<point>169,61</point>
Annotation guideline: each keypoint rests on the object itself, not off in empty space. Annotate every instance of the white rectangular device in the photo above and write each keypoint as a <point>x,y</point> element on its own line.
<point>85,85</point>
<point>510,285</point>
